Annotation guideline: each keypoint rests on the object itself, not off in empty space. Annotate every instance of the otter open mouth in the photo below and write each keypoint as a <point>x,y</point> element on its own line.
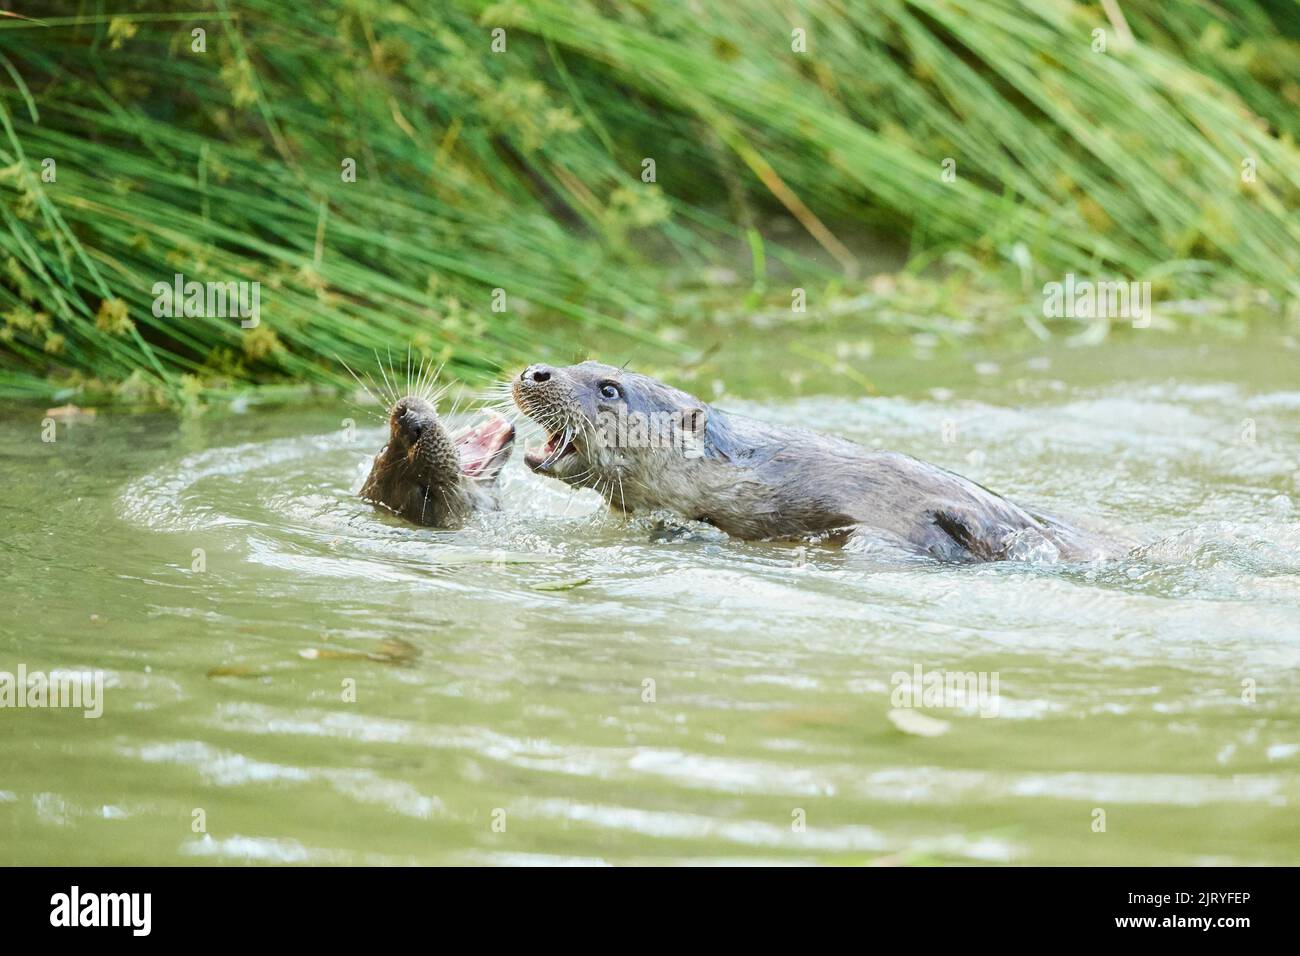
<point>558,446</point>
<point>484,447</point>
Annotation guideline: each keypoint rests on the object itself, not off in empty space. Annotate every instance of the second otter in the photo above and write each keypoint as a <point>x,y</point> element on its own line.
<point>430,477</point>
<point>757,480</point>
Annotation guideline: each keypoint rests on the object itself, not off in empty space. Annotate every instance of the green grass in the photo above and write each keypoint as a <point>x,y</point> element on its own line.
<point>521,171</point>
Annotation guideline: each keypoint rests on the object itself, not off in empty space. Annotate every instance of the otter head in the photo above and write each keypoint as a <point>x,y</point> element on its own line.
<point>430,477</point>
<point>632,438</point>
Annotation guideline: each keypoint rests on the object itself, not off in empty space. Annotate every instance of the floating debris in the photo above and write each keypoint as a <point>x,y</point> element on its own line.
<point>71,413</point>
<point>561,585</point>
<point>914,722</point>
<point>236,670</point>
<point>389,651</point>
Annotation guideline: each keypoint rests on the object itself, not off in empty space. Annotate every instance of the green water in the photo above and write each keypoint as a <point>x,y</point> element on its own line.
<point>500,671</point>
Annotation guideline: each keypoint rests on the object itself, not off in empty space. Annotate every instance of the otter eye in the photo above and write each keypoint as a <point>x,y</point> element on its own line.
<point>610,390</point>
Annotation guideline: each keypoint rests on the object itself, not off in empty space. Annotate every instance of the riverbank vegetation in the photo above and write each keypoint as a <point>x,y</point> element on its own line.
<point>482,183</point>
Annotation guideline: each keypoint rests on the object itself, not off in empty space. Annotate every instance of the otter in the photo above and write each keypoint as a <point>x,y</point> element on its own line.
<point>647,446</point>
<point>432,478</point>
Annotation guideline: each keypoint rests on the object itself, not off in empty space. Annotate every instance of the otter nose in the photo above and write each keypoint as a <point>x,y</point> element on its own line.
<point>537,374</point>
<point>412,423</point>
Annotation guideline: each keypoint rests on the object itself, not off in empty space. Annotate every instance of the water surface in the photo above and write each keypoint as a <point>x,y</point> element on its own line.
<point>502,673</point>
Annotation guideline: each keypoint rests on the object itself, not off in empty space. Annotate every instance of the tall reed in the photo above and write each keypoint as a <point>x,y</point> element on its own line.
<point>501,207</point>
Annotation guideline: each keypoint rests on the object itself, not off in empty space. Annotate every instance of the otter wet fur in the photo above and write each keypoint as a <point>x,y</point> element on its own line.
<point>433,478</point>
<point>756,480</point>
